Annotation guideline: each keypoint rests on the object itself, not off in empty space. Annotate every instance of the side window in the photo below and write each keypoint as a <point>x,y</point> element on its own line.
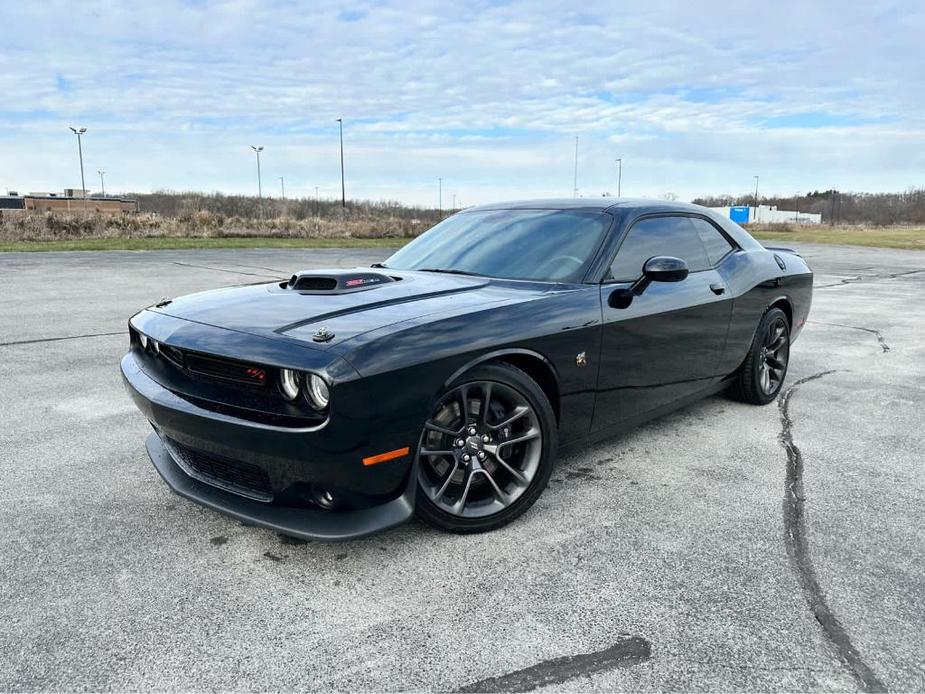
<point>674,236</point>
<point>716,245</point>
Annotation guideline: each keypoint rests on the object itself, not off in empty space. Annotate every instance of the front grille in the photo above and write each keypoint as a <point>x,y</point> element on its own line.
<point>227,369</point>
<point>231,475</point>
<point>171,354</point>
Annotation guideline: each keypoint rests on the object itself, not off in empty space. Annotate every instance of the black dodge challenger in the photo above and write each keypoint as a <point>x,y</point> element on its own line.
<point>445,380</point>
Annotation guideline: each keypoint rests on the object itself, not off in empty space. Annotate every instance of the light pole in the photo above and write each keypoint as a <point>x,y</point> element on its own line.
<point>343,189</point>
<point>756,200</point>
<point>575,183</point>
<point>619,174</point>
<point>454,202</point>
<point>316,194</point>
<point>282,187</point>
<point>440,196</point>
<point>80,151</point>
<point>257,150</point>
<point>102,183</point>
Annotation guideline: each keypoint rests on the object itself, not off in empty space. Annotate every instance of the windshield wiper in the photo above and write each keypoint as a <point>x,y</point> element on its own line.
<point>450,272</point>
<point>383,265</point>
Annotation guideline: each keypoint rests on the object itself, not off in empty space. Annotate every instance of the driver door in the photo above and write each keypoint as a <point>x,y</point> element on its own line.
<point>668,343</point>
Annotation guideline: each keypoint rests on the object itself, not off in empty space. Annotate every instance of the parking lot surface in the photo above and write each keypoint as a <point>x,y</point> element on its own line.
<point>725,546</point>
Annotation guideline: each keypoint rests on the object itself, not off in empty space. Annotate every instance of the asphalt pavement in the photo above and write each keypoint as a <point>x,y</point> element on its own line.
<point>723,547</point>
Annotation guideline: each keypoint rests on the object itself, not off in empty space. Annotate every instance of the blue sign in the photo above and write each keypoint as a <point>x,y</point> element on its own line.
<point>739,215</point>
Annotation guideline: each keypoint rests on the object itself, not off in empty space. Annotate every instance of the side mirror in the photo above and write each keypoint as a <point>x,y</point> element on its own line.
<point>664,268</point>
<point>661,268</point>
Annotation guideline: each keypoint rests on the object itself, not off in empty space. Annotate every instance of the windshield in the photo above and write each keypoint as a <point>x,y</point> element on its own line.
<point>545,245</point>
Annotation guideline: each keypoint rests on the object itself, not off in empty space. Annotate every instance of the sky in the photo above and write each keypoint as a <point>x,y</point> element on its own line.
<point>696,98</point>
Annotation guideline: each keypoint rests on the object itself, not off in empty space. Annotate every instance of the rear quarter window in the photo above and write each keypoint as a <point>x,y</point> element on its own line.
<point>715,244</point>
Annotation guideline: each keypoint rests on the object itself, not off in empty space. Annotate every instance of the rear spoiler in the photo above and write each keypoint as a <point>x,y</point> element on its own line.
<point>784,249</point>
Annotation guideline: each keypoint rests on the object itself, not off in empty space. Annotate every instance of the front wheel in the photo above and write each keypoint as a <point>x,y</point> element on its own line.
<point>487,451</point>
<point>762,374</point>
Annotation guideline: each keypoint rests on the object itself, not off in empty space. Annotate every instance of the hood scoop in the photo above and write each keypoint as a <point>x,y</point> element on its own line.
<point>335,282</point>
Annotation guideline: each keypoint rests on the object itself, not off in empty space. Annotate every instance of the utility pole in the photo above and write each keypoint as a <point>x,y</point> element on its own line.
<point>282,187</point>
<point>619,175</point>
<point>102,183</point>
<point>756,200</point>
<point>454,202</point>
<point>575,183</point>
<point>316,194</point>
<point>440,184</point>
<point>80,151</point>
<point>343,188</point>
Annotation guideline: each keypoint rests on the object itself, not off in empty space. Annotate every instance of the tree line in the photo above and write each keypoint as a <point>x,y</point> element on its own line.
<point>174,204</point>
<point>837,207</point>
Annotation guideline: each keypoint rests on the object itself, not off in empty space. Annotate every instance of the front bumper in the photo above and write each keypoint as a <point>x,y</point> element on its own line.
<point>294,463</point>
<point>330,526</point>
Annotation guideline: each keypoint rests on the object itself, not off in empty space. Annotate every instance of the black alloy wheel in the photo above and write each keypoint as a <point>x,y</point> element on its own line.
<point>486,451</point>
<point>762,373</point>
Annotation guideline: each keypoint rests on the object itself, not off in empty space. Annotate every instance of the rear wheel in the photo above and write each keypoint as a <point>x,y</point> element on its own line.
<point>761,376</point>
<point>486,452</point>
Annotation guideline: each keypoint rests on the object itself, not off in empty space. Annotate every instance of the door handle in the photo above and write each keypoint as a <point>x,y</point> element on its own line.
<point>717,288</point>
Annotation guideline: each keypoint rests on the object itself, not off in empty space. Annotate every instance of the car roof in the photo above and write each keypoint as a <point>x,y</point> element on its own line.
<point>626,208</point>
<point>593,204</point>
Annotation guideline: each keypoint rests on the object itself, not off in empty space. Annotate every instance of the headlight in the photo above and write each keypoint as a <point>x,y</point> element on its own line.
<point>318,392</point>
<point>143,340</point>
<point>289,383</point>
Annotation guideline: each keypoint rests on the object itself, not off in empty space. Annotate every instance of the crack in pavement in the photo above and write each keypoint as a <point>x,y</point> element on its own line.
<point>883,345</point>
<point>261,267</point>
<point>629,650</point>
<point>863,278</point>
<point>58,339</point>
<point>795,538</point>
<point>847,280</point>
<point>220,269</point>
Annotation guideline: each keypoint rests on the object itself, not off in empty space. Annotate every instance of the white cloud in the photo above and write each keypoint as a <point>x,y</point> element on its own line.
<point>488,96</point>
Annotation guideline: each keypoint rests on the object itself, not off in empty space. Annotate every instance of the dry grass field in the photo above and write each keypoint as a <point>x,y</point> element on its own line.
<point>911,237</point>
<point>203,229</point>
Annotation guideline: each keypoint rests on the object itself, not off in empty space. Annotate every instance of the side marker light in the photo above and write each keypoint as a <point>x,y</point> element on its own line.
<point>383,457</point>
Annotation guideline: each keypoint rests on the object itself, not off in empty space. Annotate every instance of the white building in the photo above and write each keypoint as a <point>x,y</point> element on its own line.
<point>767,214</point>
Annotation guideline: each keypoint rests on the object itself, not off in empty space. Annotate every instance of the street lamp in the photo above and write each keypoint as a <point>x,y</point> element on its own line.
<point>80,151</point>
<point>343,189</point>
<point>619,175</point>
<point>282,187</point>
<point>756,200</point>
<point>102,183</point>
<point>258,149</point>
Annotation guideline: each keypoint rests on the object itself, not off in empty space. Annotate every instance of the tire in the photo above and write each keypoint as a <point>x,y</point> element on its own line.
<point>510,455</point>
<point>762,374</point>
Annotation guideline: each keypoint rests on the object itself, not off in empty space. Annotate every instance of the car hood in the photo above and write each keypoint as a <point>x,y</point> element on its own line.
<point>277,310</point>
